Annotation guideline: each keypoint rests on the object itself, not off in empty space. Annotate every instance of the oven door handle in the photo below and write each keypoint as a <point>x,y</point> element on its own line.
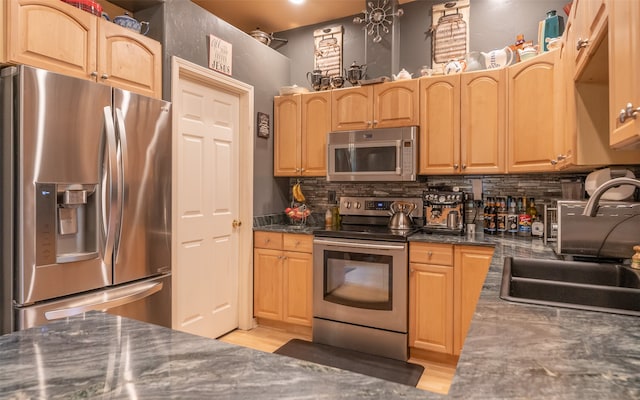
<point>360,245</point>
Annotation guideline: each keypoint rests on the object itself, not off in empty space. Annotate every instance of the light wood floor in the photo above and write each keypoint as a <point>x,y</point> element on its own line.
<point>437,375</point>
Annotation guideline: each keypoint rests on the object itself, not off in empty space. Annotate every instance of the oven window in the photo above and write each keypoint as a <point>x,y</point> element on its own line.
<point>358,280</point>
<point>365,159</point>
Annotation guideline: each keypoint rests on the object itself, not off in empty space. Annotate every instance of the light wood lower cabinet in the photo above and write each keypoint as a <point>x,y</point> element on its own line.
<point>282,268</point>
<point>58,37</point>
<point>470,271</point>
<point>445,282</point>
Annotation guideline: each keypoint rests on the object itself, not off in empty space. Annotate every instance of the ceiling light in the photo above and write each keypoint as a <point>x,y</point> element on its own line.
<point>296,1</point>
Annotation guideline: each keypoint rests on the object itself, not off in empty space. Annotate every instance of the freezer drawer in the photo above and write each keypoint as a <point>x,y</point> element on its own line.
<point>147,300</point>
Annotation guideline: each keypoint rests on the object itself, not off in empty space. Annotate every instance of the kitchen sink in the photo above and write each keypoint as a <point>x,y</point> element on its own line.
<point>582,285</point>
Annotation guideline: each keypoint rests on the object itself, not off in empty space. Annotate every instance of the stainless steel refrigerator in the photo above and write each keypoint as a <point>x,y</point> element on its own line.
<point>86,200</point>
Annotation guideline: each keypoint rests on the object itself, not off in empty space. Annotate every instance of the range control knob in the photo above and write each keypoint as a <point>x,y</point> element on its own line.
<point>347,204</point>
<point>358,205</point>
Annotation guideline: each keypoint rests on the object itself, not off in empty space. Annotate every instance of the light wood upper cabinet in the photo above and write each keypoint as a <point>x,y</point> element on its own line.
<point>483,120</point>
<point>396,104</point>
<point>283,277</point>
<point>532,126</point>
<point>58,37</point>
<point>590,28</point>
<point>286,141</point>
<point>51,35</point>
<point>316,124</point>
<point>129,60</point>
<point>463,123</point>
<point>352,108</point>
<point>301,125</point>
<point>439,124</point>
<point>624,67</point>
<point>384,105</point>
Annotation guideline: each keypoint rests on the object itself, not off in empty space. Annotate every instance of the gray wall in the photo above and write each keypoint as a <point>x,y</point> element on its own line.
<point>183,28</point>
<point>493,24</point>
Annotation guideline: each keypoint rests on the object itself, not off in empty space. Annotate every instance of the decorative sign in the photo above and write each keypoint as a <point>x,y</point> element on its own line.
<point>450,28</point>
<point>263,125</point>
<point>328,50</point>
<point>220,55</point>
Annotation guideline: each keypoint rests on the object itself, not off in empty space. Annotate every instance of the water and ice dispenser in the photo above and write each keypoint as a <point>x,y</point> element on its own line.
<point>66,223</point>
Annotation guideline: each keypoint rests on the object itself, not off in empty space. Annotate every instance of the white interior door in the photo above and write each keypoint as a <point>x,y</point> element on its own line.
<point>207,200</point>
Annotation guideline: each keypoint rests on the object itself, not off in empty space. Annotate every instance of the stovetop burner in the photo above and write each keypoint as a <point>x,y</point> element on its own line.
<point>368,218</point>
<point>368,232</point>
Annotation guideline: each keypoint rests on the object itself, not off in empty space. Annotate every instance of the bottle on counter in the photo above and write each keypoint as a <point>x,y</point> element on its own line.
<point>537,226</point>
<point>469,209</point>
<point>485,215</point>
<point>512,216</point>
<point>501,216</point>
<point>524,219</point>
<point>328,219</point>
<point>490,216</point>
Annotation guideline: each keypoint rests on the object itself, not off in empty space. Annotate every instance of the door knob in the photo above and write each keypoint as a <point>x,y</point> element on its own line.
<point>236,223</point>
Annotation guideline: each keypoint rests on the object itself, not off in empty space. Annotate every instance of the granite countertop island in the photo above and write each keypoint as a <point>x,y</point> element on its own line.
<point>512,351</point>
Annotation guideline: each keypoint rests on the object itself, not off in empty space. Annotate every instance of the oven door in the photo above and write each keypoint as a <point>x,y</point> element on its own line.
<point>361,282</point>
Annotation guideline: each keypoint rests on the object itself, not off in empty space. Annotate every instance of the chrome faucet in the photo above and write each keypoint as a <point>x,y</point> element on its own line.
<point>591,209</point>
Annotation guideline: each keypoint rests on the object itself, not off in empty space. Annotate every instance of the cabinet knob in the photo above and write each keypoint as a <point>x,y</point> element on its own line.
<point>375,121</point>
<point>94,74</point>
<point>553,162</point>
<point>429,253</point>
<point>628,112</point>
<point>236,223</point>
<point>582,43</point>
<point>104,76</point>
<point>455,166</point>
<point>464,166</point>
<point>302,169</point>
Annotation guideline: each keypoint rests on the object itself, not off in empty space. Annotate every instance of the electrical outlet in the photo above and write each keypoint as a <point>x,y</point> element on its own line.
<point>332,196</point>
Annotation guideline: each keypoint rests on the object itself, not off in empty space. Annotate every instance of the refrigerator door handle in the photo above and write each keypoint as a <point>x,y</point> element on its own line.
<point>122,169</point>
<point>101,301</point>
<point>112,187</point>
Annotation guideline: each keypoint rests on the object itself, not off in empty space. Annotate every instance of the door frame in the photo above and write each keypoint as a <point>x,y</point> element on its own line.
<point>181,68</point>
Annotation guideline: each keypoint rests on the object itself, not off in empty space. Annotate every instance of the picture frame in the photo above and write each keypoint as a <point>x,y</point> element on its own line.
<point>263,125</point>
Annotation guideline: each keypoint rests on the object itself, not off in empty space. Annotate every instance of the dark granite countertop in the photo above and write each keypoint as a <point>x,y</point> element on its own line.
<point>512,351</point>
<point>100,356</point>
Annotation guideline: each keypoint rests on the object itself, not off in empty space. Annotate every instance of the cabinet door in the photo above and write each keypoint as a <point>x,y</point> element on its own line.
<point>52,35</point>
<point>439,125</point>
<point>532,127</point>
<point>286,138</point>
<point>129,60</point>
<point>395,104</point>
<point>431,307</point>
<point>298,288</point>
<point>483,122</point>
<point>267,283</point>
<point>352,108</point>
<point>470,271</point>
<point>316,124</point>
<point>624,64</point>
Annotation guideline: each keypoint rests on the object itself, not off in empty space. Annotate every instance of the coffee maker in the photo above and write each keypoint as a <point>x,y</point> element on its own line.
<point>444,211</point>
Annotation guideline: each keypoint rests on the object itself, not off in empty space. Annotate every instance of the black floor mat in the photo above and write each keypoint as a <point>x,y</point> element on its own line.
<point>363,363</point>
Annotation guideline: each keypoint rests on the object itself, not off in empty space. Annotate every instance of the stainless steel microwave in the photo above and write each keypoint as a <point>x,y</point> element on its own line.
<point>389,154</point>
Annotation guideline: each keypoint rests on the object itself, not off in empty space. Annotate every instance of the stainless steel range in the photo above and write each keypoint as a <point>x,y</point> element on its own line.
<point>360,272</point>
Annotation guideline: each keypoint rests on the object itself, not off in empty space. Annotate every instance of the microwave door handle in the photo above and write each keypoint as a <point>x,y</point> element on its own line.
<point>399,158</point>
<point>110,181</point>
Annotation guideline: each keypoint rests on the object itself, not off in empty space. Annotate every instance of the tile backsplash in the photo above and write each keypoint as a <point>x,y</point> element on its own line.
<point>544,188</point>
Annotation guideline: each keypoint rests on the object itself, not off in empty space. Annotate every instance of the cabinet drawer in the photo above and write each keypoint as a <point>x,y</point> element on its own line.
<point>268,240</point>
<point>298,242</point>
<point>431,253</point>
